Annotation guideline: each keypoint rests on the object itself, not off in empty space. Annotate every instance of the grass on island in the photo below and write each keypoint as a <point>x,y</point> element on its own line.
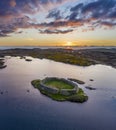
<point>79,97</point>
<point>59,84</point>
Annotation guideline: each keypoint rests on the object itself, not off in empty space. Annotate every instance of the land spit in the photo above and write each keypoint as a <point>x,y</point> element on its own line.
<point>85,57</point>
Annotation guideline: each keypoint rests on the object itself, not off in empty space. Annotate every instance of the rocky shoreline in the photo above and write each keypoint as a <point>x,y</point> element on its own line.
<point>84,57</point>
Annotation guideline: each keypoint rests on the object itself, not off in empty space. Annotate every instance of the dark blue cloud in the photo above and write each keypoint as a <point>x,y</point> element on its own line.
<point>96,9</point>
<point>56,14</point>
<point>96,13</point>
<point>77,7</point>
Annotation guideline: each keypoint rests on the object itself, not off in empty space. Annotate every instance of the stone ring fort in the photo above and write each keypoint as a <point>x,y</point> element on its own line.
<point>56,90</point>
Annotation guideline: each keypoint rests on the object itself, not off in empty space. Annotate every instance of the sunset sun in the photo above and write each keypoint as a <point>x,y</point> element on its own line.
<point>69,44</point>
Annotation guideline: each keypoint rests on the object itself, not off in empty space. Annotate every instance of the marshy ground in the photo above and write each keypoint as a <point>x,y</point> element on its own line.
<point>84,57</point>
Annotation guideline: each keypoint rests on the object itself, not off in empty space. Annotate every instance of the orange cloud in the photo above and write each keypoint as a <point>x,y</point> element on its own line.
<point>12,3</point>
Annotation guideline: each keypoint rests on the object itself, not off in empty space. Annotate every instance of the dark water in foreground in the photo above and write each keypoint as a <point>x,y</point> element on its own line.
<point>22,110</point>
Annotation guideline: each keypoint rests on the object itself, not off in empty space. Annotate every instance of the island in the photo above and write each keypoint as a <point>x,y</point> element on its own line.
<point>60,89</point>
<point>2,66</point>
<point>28,60</point>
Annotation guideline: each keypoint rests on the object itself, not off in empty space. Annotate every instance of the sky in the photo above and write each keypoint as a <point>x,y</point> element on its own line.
<point>58,23</point>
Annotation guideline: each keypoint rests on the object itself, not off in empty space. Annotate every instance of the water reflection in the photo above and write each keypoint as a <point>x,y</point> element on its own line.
<point>31,110</point>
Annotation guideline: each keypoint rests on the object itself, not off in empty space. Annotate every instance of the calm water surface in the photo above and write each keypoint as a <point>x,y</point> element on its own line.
<point>56,47</point>
<point>22,110</point>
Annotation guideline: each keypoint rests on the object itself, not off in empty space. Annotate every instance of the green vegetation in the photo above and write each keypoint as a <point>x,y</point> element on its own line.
<point>84,57</point>
<point>59,55</point>
<point>36,83</point>
<point>79,97</point>
<point>58,97</point>
<point>69,58</point>
<point>77,81</point>
<point>58,84</point>
<point>63,56</point>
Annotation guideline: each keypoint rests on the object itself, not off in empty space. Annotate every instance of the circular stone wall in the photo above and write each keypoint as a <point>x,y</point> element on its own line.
<point>54,90</point>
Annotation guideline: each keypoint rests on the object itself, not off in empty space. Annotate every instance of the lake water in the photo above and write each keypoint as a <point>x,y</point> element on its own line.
<point>22,110</point>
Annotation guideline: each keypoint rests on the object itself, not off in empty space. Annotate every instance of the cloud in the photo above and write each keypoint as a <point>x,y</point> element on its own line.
<point>87,14</point>
<point>108,24</point>
<point>15,14</point>
<point>47,31</point>
<point>56,14</point>
<point>61,23</point>
<point>99,9</point>
<point>5,33</point>
<point>95,13</point>
<point>12,3</point>
<point>24,7</point>
<point>2,35</point>
<point>14,25</point>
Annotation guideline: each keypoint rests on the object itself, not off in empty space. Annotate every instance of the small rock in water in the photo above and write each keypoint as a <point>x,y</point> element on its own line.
<point>28,91</point>
<point>90,88</point>
<point>91,80</point>
<point>1,93</point>
<point>76,80</point>
<point>28,60</point>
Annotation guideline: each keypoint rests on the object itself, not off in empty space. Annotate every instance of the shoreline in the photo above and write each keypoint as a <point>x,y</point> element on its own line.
<point>82,57</point>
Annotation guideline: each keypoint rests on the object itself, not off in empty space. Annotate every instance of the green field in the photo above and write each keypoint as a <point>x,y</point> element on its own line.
<point>59,84</point>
